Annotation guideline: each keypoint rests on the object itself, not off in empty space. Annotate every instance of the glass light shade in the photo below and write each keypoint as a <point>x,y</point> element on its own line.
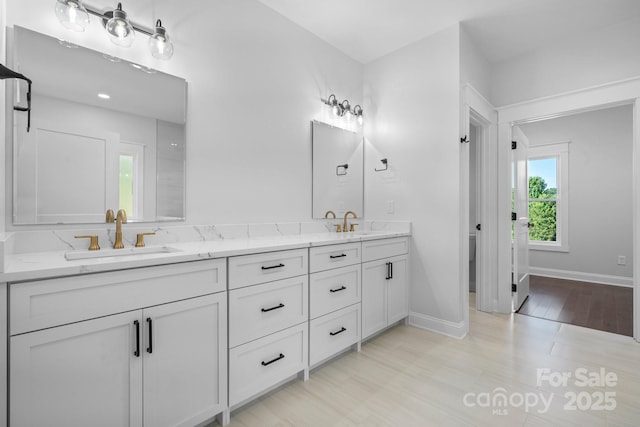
<point>159,43</point>
<point>360,120</point>
<point>119,28</point>
<point>72,14</point>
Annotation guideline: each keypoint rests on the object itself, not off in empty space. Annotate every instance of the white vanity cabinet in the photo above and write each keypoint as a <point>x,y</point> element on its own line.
<point>335,295</point>
<point>268,321</point>
<point>385,284</point>
<point>80,355</point>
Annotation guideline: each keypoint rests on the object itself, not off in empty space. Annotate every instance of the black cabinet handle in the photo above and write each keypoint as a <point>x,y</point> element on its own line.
<point>273,266</point>
<point>150,324</point>
<point>137,325</point>
<point>274,360</point>
<point>388,271</point>
<point>341,288</point>
<point>338,332</point>
<point>391,270</point>
<point>337,256</point>
<point>264,310</point>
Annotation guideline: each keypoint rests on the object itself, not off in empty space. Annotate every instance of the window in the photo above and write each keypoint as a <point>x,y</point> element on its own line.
<point>548,196</point>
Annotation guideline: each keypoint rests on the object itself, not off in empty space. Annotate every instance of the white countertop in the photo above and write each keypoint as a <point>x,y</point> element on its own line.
<point>40,265</point>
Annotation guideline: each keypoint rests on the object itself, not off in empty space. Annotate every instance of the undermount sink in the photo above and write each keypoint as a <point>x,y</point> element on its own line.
<point>368,232</point>
<point>106,253</point>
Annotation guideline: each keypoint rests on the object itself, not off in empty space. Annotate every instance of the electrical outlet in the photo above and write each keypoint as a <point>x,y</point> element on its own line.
<point>622,260</point>
<point>391,207</point>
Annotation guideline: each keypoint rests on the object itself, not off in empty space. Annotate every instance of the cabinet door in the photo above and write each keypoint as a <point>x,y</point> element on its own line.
<point>374,310</point>
<point>82,374</point>
<point>398,290</point>
<point>185,361</point>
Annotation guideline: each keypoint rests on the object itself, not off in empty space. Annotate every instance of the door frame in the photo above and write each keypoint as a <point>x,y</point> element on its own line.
<point>623,92</point>
<point>478,111</point>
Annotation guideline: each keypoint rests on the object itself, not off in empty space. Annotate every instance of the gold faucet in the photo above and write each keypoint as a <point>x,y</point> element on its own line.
<point>326,215</point>
<point>110,216</point>
<point>121,218</point>
<point>344,226</point>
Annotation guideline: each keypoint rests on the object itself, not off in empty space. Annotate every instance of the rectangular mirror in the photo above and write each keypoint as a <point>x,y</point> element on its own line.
<point>105,134</point>
<point>338,180</point>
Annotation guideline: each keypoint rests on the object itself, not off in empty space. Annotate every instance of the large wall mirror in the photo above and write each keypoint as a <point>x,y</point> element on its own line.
<point>338,182</point>
<point>105,134</point>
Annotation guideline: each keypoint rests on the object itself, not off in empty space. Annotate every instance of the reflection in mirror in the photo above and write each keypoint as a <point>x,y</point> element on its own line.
<point>105,134</point>
<point>337,170</point>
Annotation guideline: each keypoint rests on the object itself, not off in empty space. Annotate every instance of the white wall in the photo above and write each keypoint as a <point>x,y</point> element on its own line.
<point>3,174</point>
<point>474,68</point>
<point>600,190</point>
<point>412,101</point>
<point>605,55</point>
<point>255,83</point>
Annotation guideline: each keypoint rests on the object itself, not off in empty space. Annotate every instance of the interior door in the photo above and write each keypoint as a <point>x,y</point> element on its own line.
<point>520,246</point>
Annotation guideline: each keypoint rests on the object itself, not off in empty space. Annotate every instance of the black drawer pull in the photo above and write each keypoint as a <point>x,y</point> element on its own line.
<point>337,256</point>
<point>273,266</point>
<point>137,325</point>
<point>341,288</point>
<point>150,323</point>
<point>388,264</point>
<point>274,360</point>
<point>338,332</point>
<point>264,310</point>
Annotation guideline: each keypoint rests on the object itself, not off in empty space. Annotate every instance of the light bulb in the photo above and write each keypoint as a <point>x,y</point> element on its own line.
<point>119,28</point>
<point>159,43</point>
<point>72,14</point>
<point>360,120</point>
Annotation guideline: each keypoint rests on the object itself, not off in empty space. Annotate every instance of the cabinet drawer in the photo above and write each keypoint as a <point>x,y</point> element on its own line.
<point>46,303</point>
<point>259,310</point>
<point>334,332</point>
<point>334,256</point>
<point>260,364</point>
<point>248,270</point>
<point>334,289</point>
<point>384,248</point>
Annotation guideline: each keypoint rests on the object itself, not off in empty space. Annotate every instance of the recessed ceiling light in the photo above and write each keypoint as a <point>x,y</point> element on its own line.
<point>104,96</point>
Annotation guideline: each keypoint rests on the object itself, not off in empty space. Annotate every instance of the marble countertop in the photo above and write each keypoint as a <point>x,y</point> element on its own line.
<point>39,265</point>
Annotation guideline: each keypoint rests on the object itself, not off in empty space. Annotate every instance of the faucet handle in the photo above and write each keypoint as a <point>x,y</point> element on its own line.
<point>338,228</point>
<point>140,238</point>
<point>93,244</point>
<point>353,226</point>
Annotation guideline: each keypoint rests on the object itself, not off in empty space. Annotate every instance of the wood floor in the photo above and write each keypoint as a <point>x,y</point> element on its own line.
<point>411,377</point>
<point>603,307</point>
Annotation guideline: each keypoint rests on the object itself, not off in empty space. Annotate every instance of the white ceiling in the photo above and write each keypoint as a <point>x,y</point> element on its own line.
<point>368,29</point>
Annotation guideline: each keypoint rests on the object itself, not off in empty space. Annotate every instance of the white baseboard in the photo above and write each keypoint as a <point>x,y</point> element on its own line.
<point>582,277</point>
<point>444,327</point>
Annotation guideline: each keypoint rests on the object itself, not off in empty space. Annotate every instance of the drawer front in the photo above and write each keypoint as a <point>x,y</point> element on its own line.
<point>260,364</point>
<point>334,332</point>
<point>334,289</point>
<point>259,310</point>
<point>248,270</point>
<point>46,303</point>
<point>384,248</point>
<point>334,256</point>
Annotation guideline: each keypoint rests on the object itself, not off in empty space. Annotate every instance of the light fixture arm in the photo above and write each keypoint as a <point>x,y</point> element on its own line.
<point>105,16</point>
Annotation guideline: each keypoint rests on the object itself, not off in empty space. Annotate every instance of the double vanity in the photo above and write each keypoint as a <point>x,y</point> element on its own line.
<point>191,329</point>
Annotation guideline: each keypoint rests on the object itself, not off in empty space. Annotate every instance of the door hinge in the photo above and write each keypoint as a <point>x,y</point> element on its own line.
<point>514,145</point>
<point>478,227</point>
<point>514,287</point>
<point>514,216</point>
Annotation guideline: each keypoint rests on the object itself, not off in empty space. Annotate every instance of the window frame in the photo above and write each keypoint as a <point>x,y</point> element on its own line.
<point>559,150</point>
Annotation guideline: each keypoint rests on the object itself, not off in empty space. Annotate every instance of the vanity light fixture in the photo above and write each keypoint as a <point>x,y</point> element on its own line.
<point>343,109</point>
<point>74,15</point>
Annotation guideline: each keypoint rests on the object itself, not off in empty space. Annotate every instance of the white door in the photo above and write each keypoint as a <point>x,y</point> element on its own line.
<point>374,310</point>
<point>520,248</point>
<point>185,363</point>
<point>397,290</point>
<point>82,374</point>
